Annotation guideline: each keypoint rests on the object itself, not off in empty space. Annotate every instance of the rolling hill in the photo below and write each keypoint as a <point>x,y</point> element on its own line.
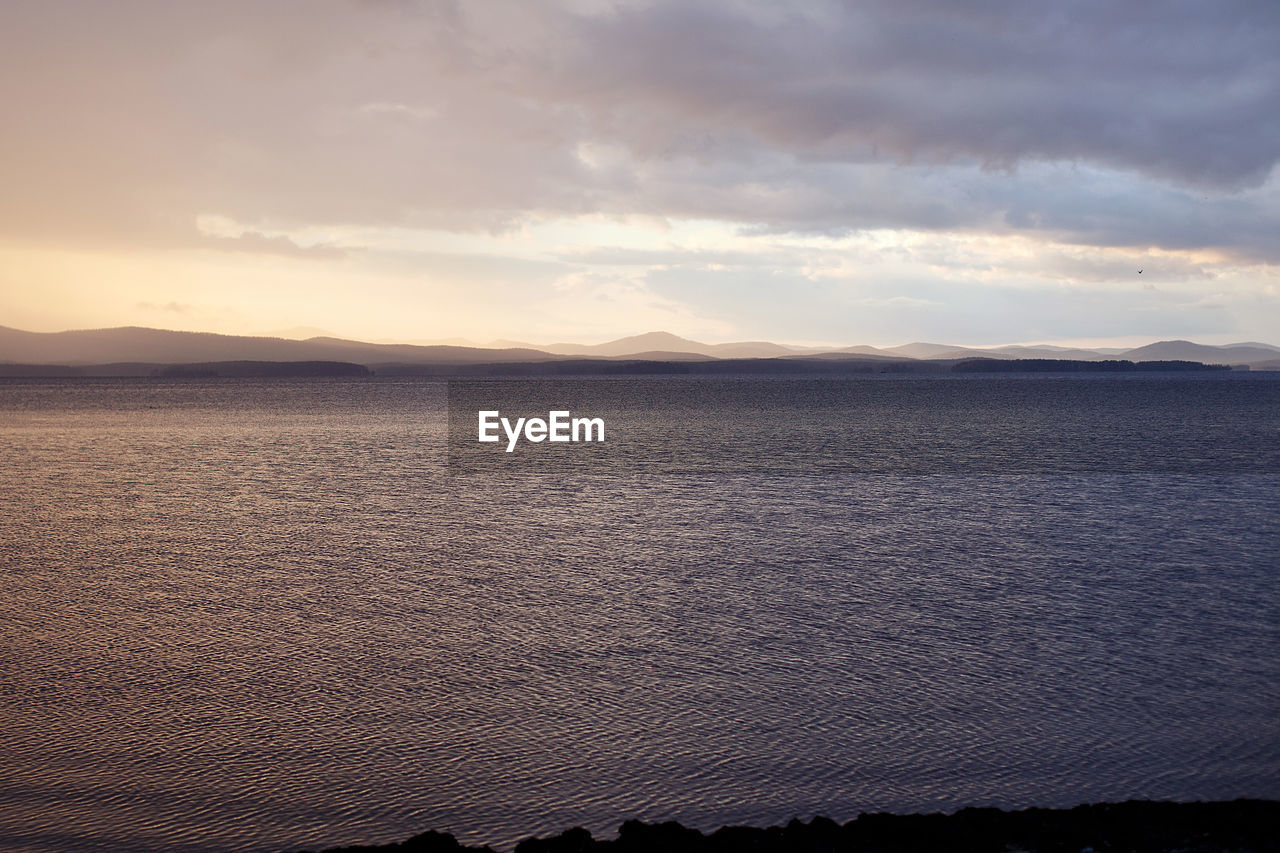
<point>160,346</point>
<point>135,345</point>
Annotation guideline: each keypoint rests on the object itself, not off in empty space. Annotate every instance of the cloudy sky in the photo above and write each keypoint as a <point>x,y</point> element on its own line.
<point>814,172</point>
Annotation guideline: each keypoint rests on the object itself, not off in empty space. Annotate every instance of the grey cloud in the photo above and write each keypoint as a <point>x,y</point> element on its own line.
<point>131,119</point>
<point>1184,91</point>
<point>1069,203</point>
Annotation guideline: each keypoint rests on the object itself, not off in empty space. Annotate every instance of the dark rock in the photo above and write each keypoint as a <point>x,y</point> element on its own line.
<point>1240,826</point>
<point>427,842</point>
<point>669,837</point>
<point>576,840</point>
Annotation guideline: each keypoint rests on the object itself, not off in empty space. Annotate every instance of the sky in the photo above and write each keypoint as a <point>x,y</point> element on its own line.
<point>807,172</point>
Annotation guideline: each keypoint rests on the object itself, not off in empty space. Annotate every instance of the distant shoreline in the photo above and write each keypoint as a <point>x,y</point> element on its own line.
<point>1136,825</point>
<point>605,367</point>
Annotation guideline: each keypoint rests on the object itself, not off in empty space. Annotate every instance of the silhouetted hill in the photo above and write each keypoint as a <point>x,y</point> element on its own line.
<point>852,354</point>
<point>1271,347</point>
<point>1188,351</point>
<point>663,356</point>
<point>666,342</point>
<point>863,349</point>
<point>160,346</point>
<point>921,350</point>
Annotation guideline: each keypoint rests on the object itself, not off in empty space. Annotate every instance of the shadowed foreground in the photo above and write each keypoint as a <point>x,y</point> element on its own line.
<point>1240,825</point>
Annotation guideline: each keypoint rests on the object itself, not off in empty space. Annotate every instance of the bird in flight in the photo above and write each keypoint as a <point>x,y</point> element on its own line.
<point>1139,272</point>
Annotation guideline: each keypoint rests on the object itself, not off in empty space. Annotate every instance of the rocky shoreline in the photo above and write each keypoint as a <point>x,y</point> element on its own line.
<point>1240,826</point>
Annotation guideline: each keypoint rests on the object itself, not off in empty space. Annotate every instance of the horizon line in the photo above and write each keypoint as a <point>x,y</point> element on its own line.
<point>501,342</point>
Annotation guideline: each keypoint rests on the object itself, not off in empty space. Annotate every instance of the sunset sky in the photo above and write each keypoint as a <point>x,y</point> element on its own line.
<point>809,172</point>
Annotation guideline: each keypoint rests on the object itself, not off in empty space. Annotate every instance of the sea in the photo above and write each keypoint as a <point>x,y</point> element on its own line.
<point>287,614</point>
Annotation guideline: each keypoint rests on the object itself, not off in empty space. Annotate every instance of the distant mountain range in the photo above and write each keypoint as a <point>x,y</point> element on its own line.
<point>665,342</point>
<point>142,346</point>
<point>160,346</point>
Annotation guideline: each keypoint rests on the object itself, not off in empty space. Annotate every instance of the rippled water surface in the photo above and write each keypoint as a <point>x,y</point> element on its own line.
<point>266,615</point>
